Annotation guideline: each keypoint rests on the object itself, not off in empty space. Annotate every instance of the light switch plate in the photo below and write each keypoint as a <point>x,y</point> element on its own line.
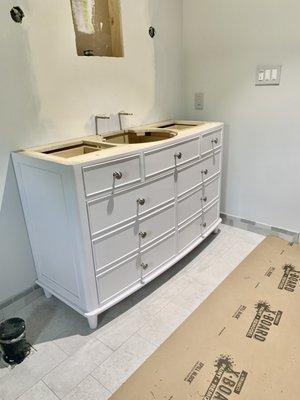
<point>199,101</point>
<point>268,75</point>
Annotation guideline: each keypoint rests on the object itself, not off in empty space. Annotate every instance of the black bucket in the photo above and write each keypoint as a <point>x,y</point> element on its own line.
<point>13,343</point>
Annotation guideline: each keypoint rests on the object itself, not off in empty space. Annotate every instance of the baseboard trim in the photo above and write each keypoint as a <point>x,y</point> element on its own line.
<point>258,227</point>
<point>15,303</point>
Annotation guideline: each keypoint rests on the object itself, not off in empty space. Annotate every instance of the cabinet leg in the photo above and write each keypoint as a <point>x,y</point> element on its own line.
<point>93,321</point>
<point>217,229</point>
<point>47,294</point>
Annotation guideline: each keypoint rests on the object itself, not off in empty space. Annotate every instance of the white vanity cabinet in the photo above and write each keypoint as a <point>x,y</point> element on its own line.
<point>103,227</point>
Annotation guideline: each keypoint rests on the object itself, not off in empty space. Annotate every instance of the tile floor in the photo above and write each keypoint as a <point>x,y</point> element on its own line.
<point>71,362</point>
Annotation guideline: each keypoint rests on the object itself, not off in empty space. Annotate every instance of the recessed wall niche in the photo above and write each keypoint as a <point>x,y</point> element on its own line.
<point>98,27</point>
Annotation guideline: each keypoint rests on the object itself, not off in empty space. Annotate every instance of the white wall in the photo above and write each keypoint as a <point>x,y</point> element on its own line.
<point>48,93</point>
<point>224,41</point>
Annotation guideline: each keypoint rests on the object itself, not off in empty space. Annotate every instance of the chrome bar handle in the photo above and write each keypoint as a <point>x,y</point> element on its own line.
<point>141,201</point>
<point>178,155</point>
<point>117,175</point>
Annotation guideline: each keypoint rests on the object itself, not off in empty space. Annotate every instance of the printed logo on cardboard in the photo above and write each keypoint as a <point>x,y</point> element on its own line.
<point>290,278</point>
<point>226,382</point>
<point>264,320</point>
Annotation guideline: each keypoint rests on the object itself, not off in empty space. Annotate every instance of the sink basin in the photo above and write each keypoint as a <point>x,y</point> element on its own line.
<point>78,149</point>
<point>140,136</point>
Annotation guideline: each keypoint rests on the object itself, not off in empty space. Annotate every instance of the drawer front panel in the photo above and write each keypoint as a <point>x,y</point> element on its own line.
<point>197,173</point>
<point>188,233</point>
<point>194,202</point>
<point>158,254</point>
<point>210,216</point>
<point>115,209</point>
<point>112,282</point>
<point>165,159</point>
<point>122,243</point>
<point>211,141</point>
<point>189,205</point>
<point>111,175</point>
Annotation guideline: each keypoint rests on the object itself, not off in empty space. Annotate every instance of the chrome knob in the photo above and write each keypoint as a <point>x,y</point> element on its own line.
<point>117,175</point>
<point>142,235</point>
<point>215,141</point>
<point>205,171</point>
<point>204,199</point>
<point>141,201</point>
<point>144,266</point>
<point>178,155</point>
<point>204,225</point>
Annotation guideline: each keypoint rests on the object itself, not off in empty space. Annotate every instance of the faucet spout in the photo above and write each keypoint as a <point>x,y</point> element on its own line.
<point>96,121</point>
<point>120,114</point>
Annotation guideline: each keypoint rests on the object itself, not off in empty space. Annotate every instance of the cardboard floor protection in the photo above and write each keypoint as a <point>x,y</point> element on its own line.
<point>242,343</point>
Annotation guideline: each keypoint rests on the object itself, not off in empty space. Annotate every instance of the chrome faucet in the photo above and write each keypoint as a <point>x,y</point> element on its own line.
<point>96,121</point>
<point>120,114</point>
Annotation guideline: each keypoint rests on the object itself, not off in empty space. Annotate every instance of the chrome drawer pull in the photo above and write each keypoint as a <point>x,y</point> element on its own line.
<point>205,171</point>
<point>204,199</point>
<point>204,225</point>
<point>215,141</point>
<point>142,235</point>
<point>178,155</point>
<point>117,175</point>
<point>141,201</point>
<point>144,266</point>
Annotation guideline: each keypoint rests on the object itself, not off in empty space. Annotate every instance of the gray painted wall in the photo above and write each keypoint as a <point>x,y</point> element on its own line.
<point>224,41</point>
<point>48,94</point>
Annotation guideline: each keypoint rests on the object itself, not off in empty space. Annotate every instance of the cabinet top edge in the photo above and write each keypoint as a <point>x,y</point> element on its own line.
<point>121,150</point>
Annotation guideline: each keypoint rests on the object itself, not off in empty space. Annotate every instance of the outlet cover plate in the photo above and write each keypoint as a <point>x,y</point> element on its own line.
<point>199,101</point>
<point>268,75</point>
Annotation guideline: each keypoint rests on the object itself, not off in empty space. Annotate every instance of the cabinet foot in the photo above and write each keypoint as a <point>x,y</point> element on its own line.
<point>47,294</point>
<point>217,229</point>
<point>93,321</point>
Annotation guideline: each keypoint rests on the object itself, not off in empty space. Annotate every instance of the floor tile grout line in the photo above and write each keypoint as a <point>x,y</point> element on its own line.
<point>59,398</point>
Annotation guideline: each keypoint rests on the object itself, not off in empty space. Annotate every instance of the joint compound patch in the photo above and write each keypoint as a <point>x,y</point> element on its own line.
<point>194,372</point>
<point>226,381</point>
<point>263,321</point>
<point>289,279</point>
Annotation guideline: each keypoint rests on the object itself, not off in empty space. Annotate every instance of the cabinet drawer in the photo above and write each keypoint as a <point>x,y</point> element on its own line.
<point>114,281</point>
<point>157,161</point>
<point>158,254</point>
<point>123,242</point>
<point>189,232</point>
<point>191,176</point>
<point>210,216</point>
<point>194,201</point>
<point>116,209</point>
<point>211,141</point>
<point>107,176</point>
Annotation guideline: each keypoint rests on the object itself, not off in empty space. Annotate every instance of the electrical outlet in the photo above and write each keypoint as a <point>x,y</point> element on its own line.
<point>199,101</point>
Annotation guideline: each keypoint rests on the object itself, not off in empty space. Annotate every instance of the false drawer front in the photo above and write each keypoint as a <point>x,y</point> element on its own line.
<point>210,216</point>
<point>194,201</point>
<point>190,232</point>
<point>122,243</point>
<point>158,254</point>
<point>211,141</point>
<point>157,161</point>
<point>116,209</point>
<point>118,279</point>
<point>106,176</point>
<point>191,176</point>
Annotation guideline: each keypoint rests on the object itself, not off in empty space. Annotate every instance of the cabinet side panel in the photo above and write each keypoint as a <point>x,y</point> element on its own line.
<point>49,231</point>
